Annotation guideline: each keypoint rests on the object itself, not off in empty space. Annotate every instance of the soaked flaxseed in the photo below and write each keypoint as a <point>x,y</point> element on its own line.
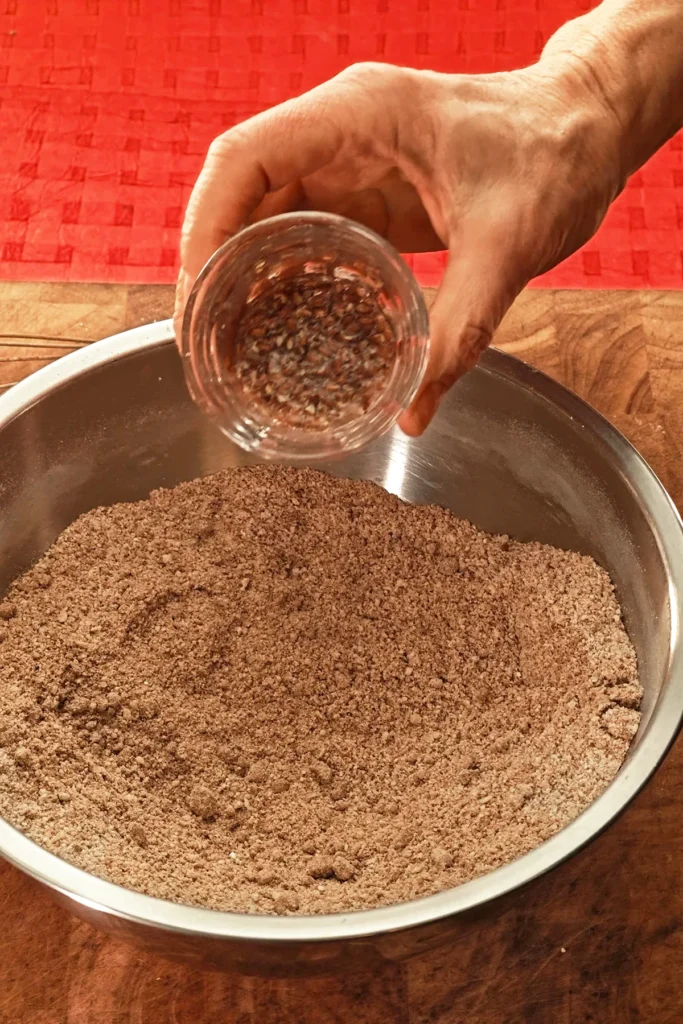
<point>314,349</point>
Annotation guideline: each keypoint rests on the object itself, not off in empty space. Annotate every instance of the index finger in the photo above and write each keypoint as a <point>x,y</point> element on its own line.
<point>247,162</point>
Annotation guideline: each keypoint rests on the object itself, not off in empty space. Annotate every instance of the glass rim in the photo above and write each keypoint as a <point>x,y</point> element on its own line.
<point>255,433</point>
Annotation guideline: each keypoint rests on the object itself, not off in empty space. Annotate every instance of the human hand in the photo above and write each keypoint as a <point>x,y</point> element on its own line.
<point>510,172</point>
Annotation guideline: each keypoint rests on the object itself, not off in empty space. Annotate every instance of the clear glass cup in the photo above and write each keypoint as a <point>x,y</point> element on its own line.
<point>268,252</point>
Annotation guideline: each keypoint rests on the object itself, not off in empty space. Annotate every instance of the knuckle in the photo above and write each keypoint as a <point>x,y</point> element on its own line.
<point>475,338</point>
<point>464,352</point>
<point>379,94</point>
<point>226,143</point>
<point>372,75</point>
<point>359,74</point>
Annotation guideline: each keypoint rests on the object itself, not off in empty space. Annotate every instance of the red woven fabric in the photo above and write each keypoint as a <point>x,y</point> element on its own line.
<point>107,107</point>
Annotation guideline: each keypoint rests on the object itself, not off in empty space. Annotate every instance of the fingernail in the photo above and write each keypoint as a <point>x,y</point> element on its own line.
<point>431,400</point>
<point>182,290</point>
<point>418,417</point>
<point>181,295</point>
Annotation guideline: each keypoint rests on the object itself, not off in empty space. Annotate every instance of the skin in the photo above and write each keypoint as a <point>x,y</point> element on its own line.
<point>509,172</point>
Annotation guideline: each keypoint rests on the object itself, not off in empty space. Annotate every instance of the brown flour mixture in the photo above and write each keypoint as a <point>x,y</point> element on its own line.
<point>275,691</point>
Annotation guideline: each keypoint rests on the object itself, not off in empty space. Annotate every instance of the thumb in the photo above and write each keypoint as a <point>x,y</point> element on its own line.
<point>182,292</point>
<point>479,285</point>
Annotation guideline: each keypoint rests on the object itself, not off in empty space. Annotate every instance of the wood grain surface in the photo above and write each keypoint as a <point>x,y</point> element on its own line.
<point>600,940</point>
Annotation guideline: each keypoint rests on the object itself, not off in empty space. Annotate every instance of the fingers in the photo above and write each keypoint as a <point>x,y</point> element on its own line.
<point>480,284</point>
<point>259,157</point>
<point>273,203</point>
<point>256,169</point>
<point>269,152</point>
<point>253,167</point>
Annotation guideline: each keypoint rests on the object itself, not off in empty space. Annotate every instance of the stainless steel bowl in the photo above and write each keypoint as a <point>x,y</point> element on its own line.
<point>511,450</point>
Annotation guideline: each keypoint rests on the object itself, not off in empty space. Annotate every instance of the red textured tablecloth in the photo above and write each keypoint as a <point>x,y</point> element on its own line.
<point>107,107</point>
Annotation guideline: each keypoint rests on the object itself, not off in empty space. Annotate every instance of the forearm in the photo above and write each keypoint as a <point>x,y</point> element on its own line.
<point>629,53</point>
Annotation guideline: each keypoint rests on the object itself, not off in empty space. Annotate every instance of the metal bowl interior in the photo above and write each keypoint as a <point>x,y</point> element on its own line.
<point>511,450</point>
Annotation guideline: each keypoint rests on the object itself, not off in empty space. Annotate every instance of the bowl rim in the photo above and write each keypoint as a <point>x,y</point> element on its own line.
<point>102,896</point>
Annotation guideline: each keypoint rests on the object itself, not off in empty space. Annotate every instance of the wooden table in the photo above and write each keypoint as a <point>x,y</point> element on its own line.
<point>601,939</point>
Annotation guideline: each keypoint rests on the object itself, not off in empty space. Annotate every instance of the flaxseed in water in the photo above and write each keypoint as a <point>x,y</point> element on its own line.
<point>315,349</point>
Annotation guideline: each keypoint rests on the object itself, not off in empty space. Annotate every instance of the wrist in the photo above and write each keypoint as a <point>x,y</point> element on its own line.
<point>599,106</point>
<point>625,55</point>
<point>588,120</point>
